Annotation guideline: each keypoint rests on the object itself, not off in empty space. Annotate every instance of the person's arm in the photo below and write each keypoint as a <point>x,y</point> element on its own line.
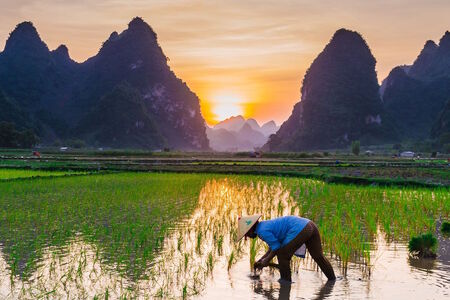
<point>262,257</point>
<point>265,254</point>
<point>265,260</point>
<point>274,245</point>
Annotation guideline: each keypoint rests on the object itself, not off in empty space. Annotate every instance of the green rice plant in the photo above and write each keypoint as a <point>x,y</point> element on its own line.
<point>231,260</point>
<point>186,261</point>
<point>445,228</point>
<point>423,246</point>
<point>184,293</point>
<point>253,252</point>
<point>179,242</point>
<point>126,215</point>
<point>198,247</point>
<point>210,263</point>
<point>220,245</point>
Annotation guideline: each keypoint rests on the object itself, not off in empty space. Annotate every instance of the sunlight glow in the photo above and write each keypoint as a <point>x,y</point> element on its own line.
<point>226,105</point>
<point>223,111</point>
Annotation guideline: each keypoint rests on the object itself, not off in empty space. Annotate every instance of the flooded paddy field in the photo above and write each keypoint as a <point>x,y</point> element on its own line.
<point>148,235</point>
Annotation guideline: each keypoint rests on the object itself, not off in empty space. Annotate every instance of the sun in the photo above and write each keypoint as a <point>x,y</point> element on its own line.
<point>224,106</point>
<point>223,111</point>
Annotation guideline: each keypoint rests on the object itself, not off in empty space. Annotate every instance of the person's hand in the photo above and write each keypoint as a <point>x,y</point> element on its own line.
<point>261,263</point>
<point>257,264</point>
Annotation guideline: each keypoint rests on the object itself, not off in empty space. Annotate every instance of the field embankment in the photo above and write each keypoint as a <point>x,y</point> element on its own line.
<point>338,169</point>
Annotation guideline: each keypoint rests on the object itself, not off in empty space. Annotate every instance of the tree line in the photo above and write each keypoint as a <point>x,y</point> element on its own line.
<point>12,137</point>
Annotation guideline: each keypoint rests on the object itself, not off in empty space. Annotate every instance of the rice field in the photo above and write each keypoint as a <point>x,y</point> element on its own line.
<point>163,235</point>
<point>22,173</point>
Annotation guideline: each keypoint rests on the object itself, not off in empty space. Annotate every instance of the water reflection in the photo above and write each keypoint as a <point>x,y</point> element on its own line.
<point>325,291</point>
<point>283,290</point>
<point>74,271</point>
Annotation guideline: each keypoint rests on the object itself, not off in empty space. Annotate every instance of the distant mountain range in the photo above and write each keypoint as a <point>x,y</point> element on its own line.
<point>238,134</point>
<point>342,102</point>
<point>126,96</point>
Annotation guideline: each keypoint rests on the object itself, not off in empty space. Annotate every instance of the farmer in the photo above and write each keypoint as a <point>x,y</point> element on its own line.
<point>285,235</point>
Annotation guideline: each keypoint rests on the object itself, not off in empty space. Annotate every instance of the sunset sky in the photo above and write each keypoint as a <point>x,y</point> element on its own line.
<point>239,57</point>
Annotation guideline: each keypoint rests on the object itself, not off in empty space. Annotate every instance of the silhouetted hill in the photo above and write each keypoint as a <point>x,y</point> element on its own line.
<point>414,96</point>
<point>62,57</point>
<point>11,112</point>
<point>223,140</point>
<point>434,60</point>
<point>269,128</point>
<point>441,127</point>
<point>233,123</point>
<point>28,72</point>
<point>238,134</point>
<point>253,124</point>
<point>247,133</point>
<point>60,94</point>
<point>121,120</point>
<point>340,101</point>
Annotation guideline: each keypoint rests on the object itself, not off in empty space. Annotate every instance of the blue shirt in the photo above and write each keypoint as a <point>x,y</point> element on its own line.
<point>280,231</point>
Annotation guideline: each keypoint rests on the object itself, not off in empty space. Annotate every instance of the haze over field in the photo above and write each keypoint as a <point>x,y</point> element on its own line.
<point>239,57</point>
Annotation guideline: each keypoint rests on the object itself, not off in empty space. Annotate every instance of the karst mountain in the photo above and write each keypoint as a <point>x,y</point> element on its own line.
<point>126,96</point>
<point>340,100</point>
<point>414,96</point>
<point>238,134</point>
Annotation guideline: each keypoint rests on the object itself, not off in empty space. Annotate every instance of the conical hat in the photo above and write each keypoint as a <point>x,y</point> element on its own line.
<point>245,223</point>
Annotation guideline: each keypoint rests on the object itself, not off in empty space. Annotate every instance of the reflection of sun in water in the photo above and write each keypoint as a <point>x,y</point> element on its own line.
<point>226,105</point>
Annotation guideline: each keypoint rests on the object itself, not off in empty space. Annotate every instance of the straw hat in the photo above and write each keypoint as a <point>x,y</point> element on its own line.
<point>245,223</point>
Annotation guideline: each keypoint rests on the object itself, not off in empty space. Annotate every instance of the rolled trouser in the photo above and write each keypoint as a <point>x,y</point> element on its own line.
<point>309,236</point>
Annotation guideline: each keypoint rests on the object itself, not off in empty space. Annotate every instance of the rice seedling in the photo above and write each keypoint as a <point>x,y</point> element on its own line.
<point>423,246</point>
<point>445,228</point>
<point>220,245</point>
<point>198,248</point>
<point>253,252</point>
<point>186,261</point>
<point>210,263</point>
<point>179,242</point>
<point>231,260</point>
<point>184,293</point>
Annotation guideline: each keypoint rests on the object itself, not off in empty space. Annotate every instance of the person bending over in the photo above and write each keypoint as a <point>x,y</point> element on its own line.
<point>284,236</point>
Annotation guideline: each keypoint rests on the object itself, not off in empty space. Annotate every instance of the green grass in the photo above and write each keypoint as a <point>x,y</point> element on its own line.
<point>23,173</point>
